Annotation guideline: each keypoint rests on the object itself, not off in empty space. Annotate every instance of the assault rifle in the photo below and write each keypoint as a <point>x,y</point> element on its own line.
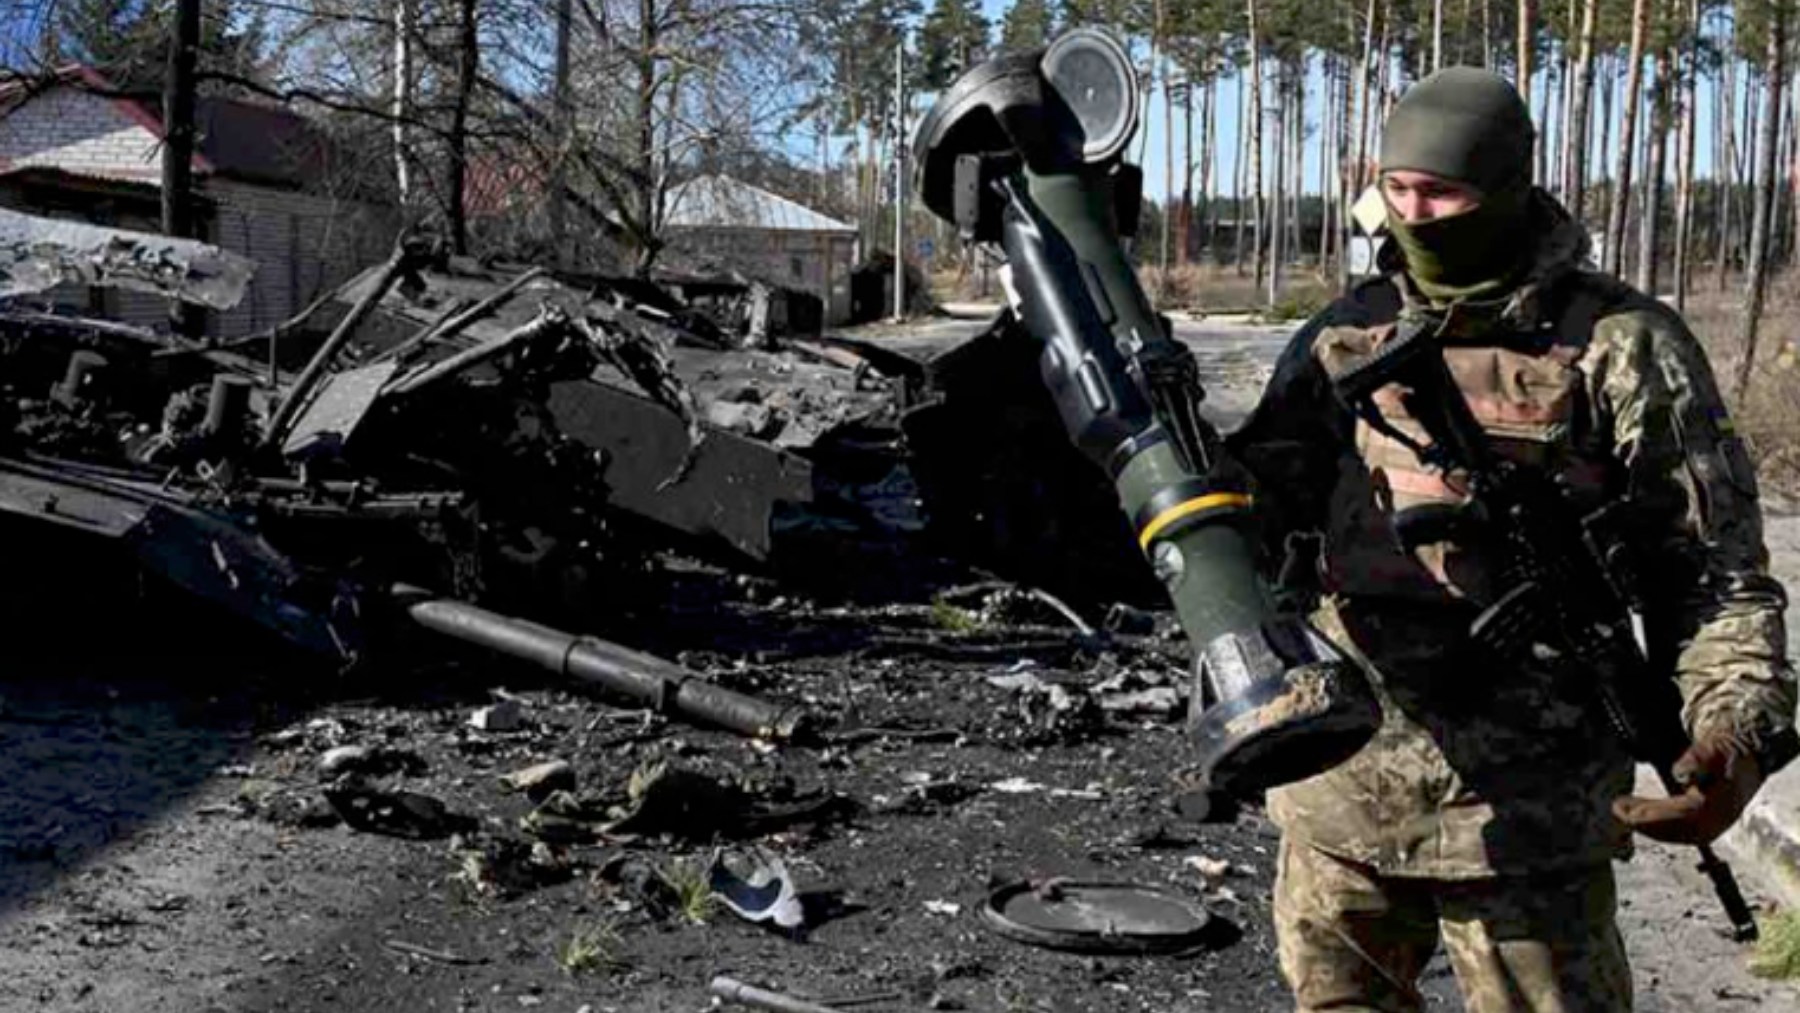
<point>1567,576</point>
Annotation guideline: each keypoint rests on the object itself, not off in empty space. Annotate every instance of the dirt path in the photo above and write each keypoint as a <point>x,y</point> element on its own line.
<point>157,771</point>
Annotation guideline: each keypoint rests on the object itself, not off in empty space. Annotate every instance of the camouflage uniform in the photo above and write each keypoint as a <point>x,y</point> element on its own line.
<point>1481,809</point>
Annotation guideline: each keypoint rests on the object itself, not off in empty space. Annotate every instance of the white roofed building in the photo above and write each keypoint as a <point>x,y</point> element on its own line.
<point>765,236</point>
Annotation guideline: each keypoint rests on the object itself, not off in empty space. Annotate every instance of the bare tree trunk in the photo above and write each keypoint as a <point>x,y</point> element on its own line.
<point>1169,189</point>
<point>1562,71</point>
<point>403,76</point>
<point>1756,286</point>
<point>1487,35</point>
<point>1662,98</point>
<point>1437,35</point>
<point>1726,170</point>
<point>1615,226</point>
<point>1327,131</point>
<point>1527,29</point>
<point>1749,131</point>
<point>1278,178</point>
<point>1296,119</point>
<point>1240,174</point>
<point>1254,180</point>
<point>1364,68</point>
<point>1187,174</point>
<point>565,124</point>
<point>1345,188</point>
<point>1540,152</point>
<point>1684,193</point>
<point>1209,175</point>
<point>468,49</point>
<point>1575,142</point>
<point>1156,28</point>
<point>1793,189</point>
<point>645,156</point>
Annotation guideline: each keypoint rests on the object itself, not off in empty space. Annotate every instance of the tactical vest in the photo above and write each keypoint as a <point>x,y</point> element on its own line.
<point>1530,396</point>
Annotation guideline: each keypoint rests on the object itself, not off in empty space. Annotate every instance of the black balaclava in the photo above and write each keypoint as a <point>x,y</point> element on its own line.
<point>1470,126</point>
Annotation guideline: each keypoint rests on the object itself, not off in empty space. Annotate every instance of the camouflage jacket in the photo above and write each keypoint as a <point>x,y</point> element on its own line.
<point>1482,769</point>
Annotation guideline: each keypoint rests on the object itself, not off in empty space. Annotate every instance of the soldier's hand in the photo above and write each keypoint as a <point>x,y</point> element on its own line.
<point>1720,777</point>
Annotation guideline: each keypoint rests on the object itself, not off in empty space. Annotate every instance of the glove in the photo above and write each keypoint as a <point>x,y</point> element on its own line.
<point>1720,776</point>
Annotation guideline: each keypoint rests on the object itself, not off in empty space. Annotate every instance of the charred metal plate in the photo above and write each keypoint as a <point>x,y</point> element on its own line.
<point>68,504</point>
<point>1088,917</point>
<point>729,490</point>
<point>342,402</point>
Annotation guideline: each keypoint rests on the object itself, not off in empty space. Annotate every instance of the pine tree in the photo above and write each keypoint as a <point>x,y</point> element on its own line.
<point>953,38</point>
<point>1026,25</point>
<point>111,34</point>
<point>128,39</point>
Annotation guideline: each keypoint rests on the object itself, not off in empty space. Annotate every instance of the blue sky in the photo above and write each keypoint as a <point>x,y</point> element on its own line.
<point>1153,143</point>
<point>17,29</point>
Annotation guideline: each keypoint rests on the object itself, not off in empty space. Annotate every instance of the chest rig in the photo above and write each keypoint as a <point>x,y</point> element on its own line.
<point>1397,527</point>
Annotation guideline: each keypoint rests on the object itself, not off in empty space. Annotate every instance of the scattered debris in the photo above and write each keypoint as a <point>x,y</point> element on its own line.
<point>1024,786</point>
<point>691,804</point>
<point>300,810</point>
<point>37,254</point>
<point>504,716</point>
<point>1155,700</point>
<point>756,887</point>
<point>407,814</point>
<point>539,780</point>
<point>507,867</point>
<point>1128,620</point>
<point>640,884</point>
<point>377,761</point>
<point>1211,870</point>
<point>732,990</point>
<point>428,953</point>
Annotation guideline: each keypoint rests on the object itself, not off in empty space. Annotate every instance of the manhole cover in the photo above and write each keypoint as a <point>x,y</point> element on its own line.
<point>1096,917</point>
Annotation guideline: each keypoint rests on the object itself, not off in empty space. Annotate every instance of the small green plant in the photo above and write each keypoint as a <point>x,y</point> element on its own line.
<point>1778,951</point>
<point>951,618</point>
<point>693,890</point>
<point>593,947</point>
<point>1302,305</point>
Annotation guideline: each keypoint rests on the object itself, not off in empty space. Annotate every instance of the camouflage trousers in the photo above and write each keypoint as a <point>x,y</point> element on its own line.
<point>1353,940</point>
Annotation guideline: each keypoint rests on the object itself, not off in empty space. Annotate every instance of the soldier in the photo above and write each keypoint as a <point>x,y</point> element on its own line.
<point>1487,809</point>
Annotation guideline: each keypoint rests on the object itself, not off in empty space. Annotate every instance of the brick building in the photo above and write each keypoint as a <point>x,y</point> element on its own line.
<point>269,186</point>
<point>765,236</point>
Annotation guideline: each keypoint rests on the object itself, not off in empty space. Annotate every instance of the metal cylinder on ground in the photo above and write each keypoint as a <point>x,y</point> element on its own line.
<point>664,685</point>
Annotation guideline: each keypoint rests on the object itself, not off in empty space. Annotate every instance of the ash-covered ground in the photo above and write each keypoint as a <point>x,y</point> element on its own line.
<point>169,838</point>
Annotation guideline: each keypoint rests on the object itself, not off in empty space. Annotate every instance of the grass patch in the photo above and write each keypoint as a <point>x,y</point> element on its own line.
<point>951,618</point>
<point>693,890</point>
<point>1768,417</point>
<point>1778,950</point>
<point>593,947</point>
<point>1209,288</point>
<point>1300,304</point>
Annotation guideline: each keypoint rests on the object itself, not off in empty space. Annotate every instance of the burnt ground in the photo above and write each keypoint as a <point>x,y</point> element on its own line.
<point>157,775</point>
<point>163,842</point>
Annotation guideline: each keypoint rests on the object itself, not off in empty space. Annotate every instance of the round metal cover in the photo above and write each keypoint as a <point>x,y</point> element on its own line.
<point>1096,917</point>
<point>1091,72</point>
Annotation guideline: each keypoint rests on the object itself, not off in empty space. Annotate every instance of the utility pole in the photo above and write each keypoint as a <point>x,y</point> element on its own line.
<point>178,218</point>
<point>178,123</point>
<point>900,178</point>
